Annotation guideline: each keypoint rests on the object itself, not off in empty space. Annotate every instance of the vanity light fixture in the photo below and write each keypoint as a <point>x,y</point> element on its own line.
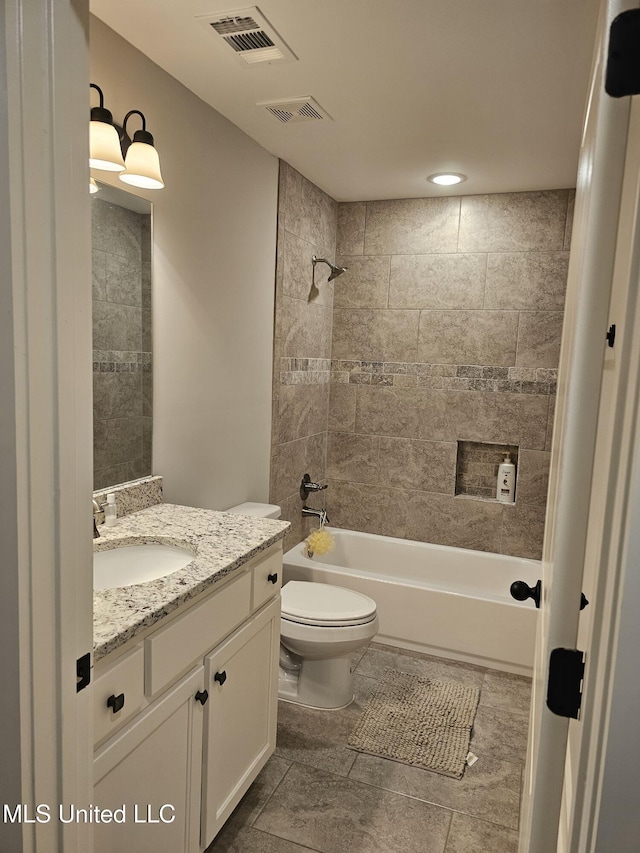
<point>447,179</point>
<point>142,164</point>
<point>109,142</point>
<point>104,141</point>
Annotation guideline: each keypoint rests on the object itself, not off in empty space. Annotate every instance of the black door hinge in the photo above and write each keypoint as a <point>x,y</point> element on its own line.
<point>566,671</point>
<point>610,337</point>
<point>623,57</point>
<point>83,671</point>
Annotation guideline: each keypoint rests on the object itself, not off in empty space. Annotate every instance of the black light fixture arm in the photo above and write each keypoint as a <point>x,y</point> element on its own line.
<point>100,113</point>
<point>140,135</point>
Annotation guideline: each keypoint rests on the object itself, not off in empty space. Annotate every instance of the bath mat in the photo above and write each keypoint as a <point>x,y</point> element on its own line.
<point>418,721</point>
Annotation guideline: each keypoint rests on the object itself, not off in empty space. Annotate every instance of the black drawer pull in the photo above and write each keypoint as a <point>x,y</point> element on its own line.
<point>116,703</point>
<point>220,677</point>
<point>273,578</point>
<point>202,696</point>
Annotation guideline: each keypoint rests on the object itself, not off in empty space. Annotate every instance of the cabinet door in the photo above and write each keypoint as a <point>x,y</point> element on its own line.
<point>151,773</point>
<point>240,717</point>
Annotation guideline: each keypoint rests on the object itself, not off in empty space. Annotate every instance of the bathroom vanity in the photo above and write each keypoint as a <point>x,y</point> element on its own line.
<point>185,680</point>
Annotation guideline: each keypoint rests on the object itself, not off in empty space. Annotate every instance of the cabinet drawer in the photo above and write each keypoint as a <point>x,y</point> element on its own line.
<point>267,578</point>
<point>118,693</point>
<point>172,650</point>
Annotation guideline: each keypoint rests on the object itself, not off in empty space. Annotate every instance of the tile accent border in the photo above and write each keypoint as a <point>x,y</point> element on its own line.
<point>134,496</point>
<point>304,371</point>
<point>458,377</point>
<point>121,361</point>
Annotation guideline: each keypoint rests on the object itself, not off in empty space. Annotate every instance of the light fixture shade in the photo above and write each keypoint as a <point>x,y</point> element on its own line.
<point>93,187</point>
<point>142,167</point>
<point>104,147</point>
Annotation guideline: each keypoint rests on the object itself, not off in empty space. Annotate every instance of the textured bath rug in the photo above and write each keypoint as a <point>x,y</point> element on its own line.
<point>418,721</point>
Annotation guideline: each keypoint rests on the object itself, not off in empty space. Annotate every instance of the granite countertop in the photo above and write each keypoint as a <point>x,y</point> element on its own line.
<point>221,542</point>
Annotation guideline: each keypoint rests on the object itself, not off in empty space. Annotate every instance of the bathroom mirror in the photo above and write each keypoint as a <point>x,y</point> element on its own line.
<point>122,380</point>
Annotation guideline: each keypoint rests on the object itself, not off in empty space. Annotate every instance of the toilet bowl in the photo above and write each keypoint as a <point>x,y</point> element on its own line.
<point>321,627</point>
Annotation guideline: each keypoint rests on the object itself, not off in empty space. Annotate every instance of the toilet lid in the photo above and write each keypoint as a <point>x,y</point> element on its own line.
<point>324,604</point>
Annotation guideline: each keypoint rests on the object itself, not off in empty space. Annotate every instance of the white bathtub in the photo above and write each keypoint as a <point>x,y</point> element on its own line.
<point>443,601</point>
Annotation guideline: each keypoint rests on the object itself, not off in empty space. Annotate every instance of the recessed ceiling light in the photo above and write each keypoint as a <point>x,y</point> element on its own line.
<point>447,179</point>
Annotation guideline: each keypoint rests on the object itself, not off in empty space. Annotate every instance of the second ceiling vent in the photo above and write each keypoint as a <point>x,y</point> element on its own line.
<point>248,33</point>
<point>296,110</point>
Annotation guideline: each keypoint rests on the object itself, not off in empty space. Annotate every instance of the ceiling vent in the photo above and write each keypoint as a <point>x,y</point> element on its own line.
<point>296,110</point>
<point>248,33</point>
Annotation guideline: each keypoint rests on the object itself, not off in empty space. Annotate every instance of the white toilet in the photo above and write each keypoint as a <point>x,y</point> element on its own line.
<point>321,626</point>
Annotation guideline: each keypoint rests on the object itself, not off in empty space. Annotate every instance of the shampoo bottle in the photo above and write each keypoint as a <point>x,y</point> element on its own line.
<point>506,489</point>
<point>110,511</point>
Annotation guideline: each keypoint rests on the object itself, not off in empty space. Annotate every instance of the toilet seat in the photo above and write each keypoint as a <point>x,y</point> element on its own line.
<point>325,605</point>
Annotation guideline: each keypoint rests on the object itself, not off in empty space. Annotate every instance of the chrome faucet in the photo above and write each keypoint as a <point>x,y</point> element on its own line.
<point>318,513</point>
<point>96,509</point>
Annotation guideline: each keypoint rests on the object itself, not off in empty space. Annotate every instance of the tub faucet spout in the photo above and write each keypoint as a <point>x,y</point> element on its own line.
<point>318,513</point>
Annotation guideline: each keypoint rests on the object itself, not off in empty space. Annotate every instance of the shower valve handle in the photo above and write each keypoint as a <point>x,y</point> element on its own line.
<point>307,486</point>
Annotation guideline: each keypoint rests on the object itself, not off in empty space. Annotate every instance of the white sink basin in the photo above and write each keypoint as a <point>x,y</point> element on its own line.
<point>133,564</point>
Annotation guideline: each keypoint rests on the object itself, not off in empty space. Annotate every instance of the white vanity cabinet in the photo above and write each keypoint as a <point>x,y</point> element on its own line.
<point>239,675</point>
<point>151,771</point>
<point>198,720</point>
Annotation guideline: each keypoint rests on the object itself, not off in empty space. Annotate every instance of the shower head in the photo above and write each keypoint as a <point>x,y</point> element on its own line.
<point>335,271</point>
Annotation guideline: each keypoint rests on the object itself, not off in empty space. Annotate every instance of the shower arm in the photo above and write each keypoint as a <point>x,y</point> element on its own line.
<point>335,270</point>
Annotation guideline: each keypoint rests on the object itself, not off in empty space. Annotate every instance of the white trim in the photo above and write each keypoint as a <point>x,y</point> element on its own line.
<point>47,65</point>
<point>614,522</point>
<point>590,274</point>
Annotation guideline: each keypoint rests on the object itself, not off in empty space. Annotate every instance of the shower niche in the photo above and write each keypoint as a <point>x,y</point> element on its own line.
<point>477,468</point>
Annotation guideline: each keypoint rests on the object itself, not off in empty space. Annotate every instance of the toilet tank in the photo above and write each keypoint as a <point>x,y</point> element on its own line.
<point>257,509</point>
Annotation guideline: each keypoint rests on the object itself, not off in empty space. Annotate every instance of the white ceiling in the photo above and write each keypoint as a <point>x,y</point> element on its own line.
<point>494,89</point>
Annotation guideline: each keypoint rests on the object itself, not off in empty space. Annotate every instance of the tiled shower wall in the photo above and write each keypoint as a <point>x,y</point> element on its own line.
<point>121,286</point>
<point>302,348</point>
<point>446,328</point>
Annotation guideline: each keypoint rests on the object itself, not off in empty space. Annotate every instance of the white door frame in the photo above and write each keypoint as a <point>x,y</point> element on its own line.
<point>46,442</point>
<point>602,774</point>
<point>590,274</point>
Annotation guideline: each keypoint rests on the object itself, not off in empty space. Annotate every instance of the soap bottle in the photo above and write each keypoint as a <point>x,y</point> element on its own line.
<point>506,488</point>
<point>110,511</point>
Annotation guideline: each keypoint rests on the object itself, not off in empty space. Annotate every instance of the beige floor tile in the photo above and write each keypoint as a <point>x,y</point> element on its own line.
<point>254,800</point>
<point>332,815</point>
<point>506,691</point>
<point>469,835</point>
<point>235,838</point>
<point>489,790</point>
<point>377,658</point>
<point>499,735</point>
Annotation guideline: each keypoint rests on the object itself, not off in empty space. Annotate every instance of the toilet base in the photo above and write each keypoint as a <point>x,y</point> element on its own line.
<point>326,684</point>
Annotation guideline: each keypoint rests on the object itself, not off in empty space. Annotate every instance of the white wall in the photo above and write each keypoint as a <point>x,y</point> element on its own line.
<point>213,282</point>
<point>10,739</point>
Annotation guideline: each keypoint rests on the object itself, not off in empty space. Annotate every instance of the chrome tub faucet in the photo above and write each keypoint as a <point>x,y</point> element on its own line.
<point>318,513</point>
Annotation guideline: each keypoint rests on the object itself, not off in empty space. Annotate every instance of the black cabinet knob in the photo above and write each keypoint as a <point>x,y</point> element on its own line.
<point>116,703</point>
<point>273,578</point>
<point>520,590</point>
<point>202,696</point>
<point>220,677</point>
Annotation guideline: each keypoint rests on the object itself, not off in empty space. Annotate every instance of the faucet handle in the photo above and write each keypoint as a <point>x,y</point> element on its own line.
<point>306,486</point>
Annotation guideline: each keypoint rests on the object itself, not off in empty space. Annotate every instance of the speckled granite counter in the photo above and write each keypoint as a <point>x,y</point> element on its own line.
<point>221,542</point>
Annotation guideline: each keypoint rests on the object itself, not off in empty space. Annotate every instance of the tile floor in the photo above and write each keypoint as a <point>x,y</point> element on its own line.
<point>316,795</point>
